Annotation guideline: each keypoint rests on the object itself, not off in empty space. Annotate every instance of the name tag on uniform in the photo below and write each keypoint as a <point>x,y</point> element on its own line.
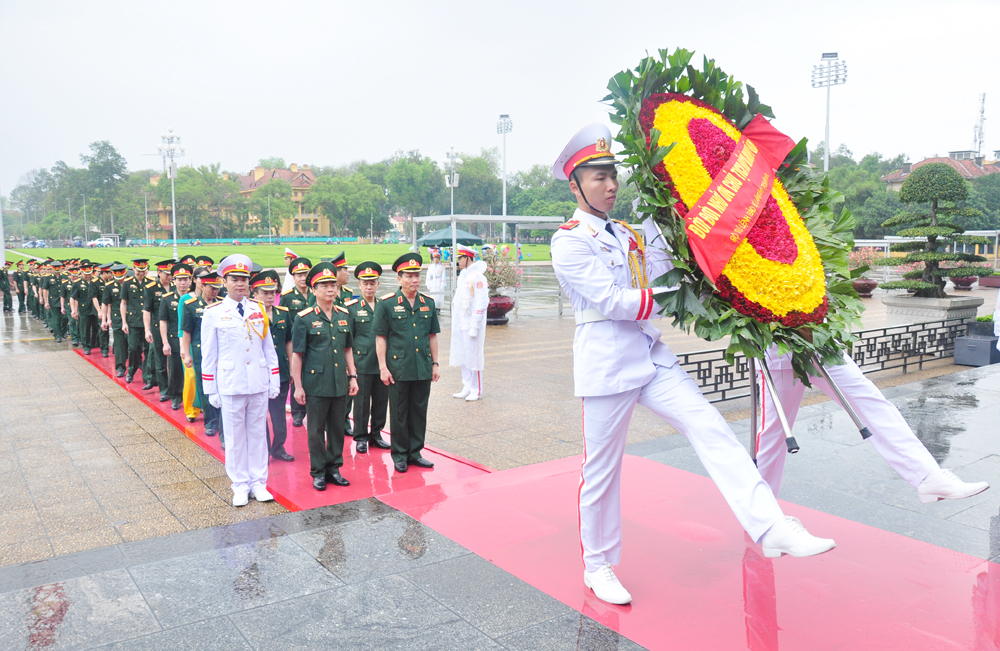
<point>317,324</point>
<point>199,310</point>
<point>225,318</point>
<point>425,309</point>
<point>362,312</point>
<point>399,308</point>
<point>341,322</point>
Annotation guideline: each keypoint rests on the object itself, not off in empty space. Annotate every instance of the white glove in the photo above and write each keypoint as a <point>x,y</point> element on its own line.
<point>215,400</point>
<point>273,393</point>
<point>473,333</point>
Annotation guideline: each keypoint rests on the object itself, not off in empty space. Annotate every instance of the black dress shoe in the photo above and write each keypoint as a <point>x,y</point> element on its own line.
<point>361,447</point>
<point>281,455</point>
<point>420,462</point>
<point>128,379</point>
<point>86,351</point>
<point>319,483</point>
<point>400,466</point>
<point>338,479</point>
<point>381,443</point>
<point>296,423</point>
<point>190,419</point>
<point>58,340</point>
<point>349,431</point>
<point>104,353</point>
<point>175,404</point>
<point>210,432</point>
<point>148,386</point>
<point>119,373</point>
<point>164,398</point>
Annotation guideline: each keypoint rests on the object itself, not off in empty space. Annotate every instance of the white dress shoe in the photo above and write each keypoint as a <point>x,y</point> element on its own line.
<point>788,536</point>
<point>461,394</point>
<point>943,484</point>
<point>606,585</point>
<point>472,397</point>
<point>240,498</point>
<point>261,494</point>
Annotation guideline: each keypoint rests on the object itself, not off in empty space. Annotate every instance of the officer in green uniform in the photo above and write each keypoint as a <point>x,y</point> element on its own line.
<point>71,288</point>
<point>264,286</point>
<point>295,300</point>
<point>324,374</point>
<point>167,325</point>
<point>343,295</point>
<point>104,317</point>
<point>373,396</point>
<point>150,307</point>
<point>17,279</point>
<point>194,308</point>
<point>57,290</point>
<point>406,327</point>
<point>33,285</point>
<point>111,299</point>
<point>130,308</point>
<point>88,297</point>
<point>8,299</point>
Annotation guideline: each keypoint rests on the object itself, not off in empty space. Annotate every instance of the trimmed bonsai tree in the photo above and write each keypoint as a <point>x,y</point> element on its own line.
<point>938,186</point>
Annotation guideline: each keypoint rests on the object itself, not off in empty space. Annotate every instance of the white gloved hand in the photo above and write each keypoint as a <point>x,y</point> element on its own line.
<point>215,400</point>
<point>273,393</point>
<point>473,333</point>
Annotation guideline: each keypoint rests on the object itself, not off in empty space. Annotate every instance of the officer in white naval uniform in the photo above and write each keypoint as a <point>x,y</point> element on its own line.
<point>618,360</point>
<point>891,435</point>
<point>468,323</point>
<point>239,374</point>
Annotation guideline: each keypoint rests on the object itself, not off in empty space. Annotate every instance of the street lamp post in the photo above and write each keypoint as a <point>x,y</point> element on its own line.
<point>504,126</point>
<point>451,181</point>
<point>170,149</point>
<point>833,74</point>
<point>145,212</point>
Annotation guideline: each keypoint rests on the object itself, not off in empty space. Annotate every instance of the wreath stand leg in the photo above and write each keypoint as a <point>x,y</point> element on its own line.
<point>754,406</point>
<point>865,432</point>
<point>793,446</point>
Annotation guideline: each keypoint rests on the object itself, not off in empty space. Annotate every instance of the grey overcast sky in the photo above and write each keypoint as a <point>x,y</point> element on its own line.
<point>329,82</point>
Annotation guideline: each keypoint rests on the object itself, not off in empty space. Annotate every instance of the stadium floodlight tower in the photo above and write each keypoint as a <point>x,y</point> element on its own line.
<point>170,149</point>
<point>504,126</point>
<point>834,73</point>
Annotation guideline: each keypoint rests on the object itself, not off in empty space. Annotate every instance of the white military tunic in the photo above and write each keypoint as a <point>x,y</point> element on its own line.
<point>240,364</point>
<point>436,274</point>
<point>618,361</point>
<point>891,436</point>
<point>468,318</point>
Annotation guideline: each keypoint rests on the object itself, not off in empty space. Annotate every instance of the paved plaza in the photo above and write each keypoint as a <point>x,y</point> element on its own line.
<point>117,528</point>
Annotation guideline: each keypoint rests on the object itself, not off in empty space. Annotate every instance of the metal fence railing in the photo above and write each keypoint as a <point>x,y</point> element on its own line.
<point>906,347</point>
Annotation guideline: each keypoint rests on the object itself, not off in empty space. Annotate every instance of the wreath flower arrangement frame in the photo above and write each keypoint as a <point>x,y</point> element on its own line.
<point>750,319</point>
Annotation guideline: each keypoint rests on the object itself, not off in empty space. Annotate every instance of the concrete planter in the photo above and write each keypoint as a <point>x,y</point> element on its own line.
<point>901,310</point>
<point>989,281</point>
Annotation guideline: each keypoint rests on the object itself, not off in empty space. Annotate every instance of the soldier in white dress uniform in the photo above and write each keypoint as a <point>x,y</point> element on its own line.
<point>468,323</point>
<point>239,372</point>
<point>891,435</point>
<point>436,274</point>
<point>618,360</point>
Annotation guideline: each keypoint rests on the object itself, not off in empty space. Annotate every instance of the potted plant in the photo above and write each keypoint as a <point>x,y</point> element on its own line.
<point>865,257</point>
<point>501,271</point>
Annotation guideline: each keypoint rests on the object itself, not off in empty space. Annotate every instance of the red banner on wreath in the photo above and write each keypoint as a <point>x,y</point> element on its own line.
<point>726,212</point>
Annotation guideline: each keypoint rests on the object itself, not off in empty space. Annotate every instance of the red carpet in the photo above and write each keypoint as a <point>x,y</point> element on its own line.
<point>695,581</point>
<point>371,475</point>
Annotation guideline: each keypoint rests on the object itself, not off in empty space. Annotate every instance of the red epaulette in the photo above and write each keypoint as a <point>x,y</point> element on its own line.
<point>570,225</point>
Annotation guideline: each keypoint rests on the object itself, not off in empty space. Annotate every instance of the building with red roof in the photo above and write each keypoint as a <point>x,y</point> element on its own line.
<point>966,162</point>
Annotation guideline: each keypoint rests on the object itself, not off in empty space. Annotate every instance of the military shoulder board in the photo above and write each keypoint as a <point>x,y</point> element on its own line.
<point>306,311</point>
<point>279,307</point>
<point>387,296</point>
<point>570,225</point>
<point>350,302</point>
<point>287,291</point>
<point>427,296</point>
<point>190,300</point>
<point>342,309</point>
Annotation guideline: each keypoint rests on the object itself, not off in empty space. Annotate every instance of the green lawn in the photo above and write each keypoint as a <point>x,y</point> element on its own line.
<point>266,255</point>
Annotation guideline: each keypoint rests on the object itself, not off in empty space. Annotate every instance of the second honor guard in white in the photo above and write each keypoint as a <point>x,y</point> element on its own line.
<point>605,268</point>
<point>239,372</point>
<point>468,323</point>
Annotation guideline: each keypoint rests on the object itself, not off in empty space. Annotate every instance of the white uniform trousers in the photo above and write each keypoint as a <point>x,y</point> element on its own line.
<point>472,381</point>
<point>673,396</point>
<point>244,419</point>
<point>891,436</point>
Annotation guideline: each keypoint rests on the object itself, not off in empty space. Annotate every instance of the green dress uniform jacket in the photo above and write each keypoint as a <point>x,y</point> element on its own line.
<point>372,398</point>
<point>112,297</point>
<point>133,292</point>
<point>154,291</point>
<point>363,321</point>
<point>281,333</point>
<point>407,333</point>
<point>294,301</point>
<point>175,367</point>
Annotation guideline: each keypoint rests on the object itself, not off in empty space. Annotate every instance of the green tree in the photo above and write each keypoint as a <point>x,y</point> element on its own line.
<point>480,190</point>
<point>272,163</point>
<point>130,210</point>
<point>279,193</point>
<point>349,203</point>
<point>106,170</point>
<point>939,186</point>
